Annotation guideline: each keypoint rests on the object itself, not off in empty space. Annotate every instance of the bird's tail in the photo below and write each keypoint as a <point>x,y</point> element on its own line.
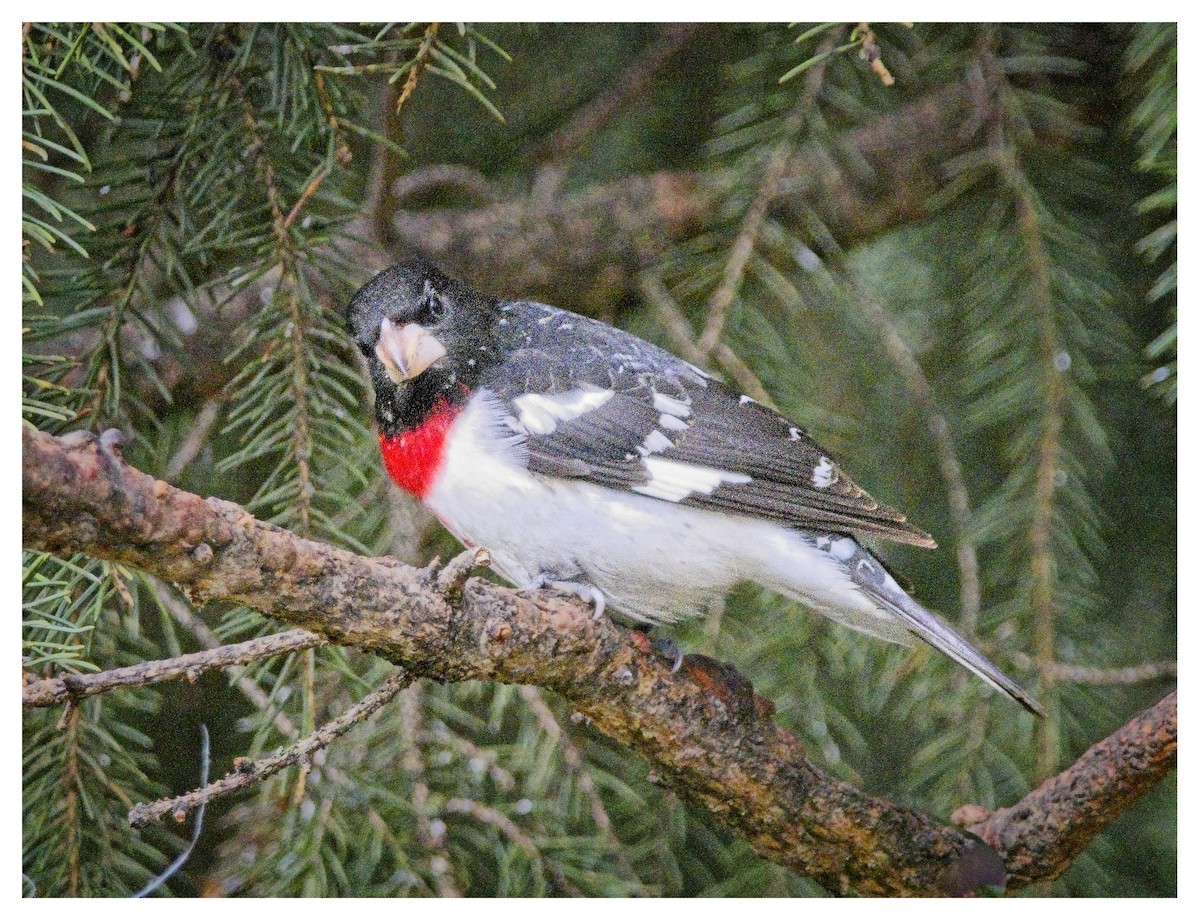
<point>883,590</point>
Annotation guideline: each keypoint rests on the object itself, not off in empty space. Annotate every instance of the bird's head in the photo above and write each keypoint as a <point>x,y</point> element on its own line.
<point>425,337</point>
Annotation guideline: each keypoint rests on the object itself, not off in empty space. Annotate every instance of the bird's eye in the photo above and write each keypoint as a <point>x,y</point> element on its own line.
<point>433,308</point>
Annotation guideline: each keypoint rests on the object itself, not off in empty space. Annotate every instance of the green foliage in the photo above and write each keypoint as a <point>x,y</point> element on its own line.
<point>194,202</point>
<point>1151,62</point>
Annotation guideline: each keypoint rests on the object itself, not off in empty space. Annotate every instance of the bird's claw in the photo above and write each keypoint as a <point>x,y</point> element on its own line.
<point>588,593</point>
<point>582,590</point>
<point>109,442</point>
<point>669,651</point>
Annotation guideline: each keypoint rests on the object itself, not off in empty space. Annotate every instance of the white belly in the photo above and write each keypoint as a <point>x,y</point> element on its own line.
<point>653,559</point>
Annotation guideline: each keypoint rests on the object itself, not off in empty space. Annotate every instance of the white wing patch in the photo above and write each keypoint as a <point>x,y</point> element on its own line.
<point>671,423</point>
<point>540,413</point>
<point>675,481</point>
<point>655,443</point>
<point>671,406</point>
<point>822,476</point>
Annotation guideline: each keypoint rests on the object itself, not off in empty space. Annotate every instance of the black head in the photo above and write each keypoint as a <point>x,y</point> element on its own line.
<point>426,338</point>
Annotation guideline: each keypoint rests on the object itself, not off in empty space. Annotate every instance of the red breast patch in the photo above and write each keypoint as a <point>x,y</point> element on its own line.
<point>413,458</point>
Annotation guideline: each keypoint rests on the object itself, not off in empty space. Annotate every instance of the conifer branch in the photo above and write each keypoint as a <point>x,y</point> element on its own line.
<point>1083,674</point>
<point>196,439</point>
<point>626,88</point>
<point>418,64</point>
<point>756,215</point>
<point>551,726</point>
<point>440,865</point>
<point>247,773</point>
<point>586,249</point>
<point>702,729</point>
<point>71,813</point>
<point>914,378</point>
<point>1042,592</point>
<point>682,339</point>
<point>50,691</point>
<point>481,812</point>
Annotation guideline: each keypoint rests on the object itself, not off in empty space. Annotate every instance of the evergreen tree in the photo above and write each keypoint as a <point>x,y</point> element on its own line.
<point>980,322</point>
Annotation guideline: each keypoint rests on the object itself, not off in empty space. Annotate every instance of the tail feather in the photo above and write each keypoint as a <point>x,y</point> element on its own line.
<point>885,592</point>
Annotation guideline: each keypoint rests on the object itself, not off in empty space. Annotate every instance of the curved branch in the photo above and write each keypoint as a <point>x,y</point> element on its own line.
<point>703,731</point>
<point>1046,830</point>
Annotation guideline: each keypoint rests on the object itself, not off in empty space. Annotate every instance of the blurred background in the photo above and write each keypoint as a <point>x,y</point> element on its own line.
<point>946,250</point>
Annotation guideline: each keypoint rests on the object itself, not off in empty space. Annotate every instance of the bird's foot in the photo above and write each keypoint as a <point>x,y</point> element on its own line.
<point>110,440</point>
<point>109,443</point>
<point>588,593</point>
<point>663,646</point>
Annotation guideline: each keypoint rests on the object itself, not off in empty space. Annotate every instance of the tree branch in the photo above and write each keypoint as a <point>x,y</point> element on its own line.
<point>628,86</point>
<point>50,691</point>
<point>768,189</point>
<point>585,249</point>
<point>702,729</point>
<point>1046,830</point>
<point>246,773</point>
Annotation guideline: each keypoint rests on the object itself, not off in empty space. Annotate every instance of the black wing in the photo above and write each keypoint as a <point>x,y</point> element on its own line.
<point>603,406</point>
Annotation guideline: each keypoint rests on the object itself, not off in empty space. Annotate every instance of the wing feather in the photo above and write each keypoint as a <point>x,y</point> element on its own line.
<point>748,459</point>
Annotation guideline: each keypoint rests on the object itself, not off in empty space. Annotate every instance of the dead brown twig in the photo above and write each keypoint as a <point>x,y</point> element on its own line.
<point>50,691</point>
<point>246,773</point>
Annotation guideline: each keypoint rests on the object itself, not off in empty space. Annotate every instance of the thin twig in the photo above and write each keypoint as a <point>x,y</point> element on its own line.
<point>194,443</point>
<point>1082,674</point>
<point>680,335</point>
<point>943,442</point>
<point>247,773</point>
<point>309,191</point>
<point>756,214</point>
<point>50,691</point>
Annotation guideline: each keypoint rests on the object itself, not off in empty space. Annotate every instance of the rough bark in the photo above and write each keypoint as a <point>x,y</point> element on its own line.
<point>1046,830</point>
<point>704,732</point>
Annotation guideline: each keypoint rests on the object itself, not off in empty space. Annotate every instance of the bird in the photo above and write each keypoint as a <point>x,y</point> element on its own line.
<point>587,460</point>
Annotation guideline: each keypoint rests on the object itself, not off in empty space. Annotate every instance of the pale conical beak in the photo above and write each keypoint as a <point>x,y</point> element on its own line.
<point>406,351</point>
